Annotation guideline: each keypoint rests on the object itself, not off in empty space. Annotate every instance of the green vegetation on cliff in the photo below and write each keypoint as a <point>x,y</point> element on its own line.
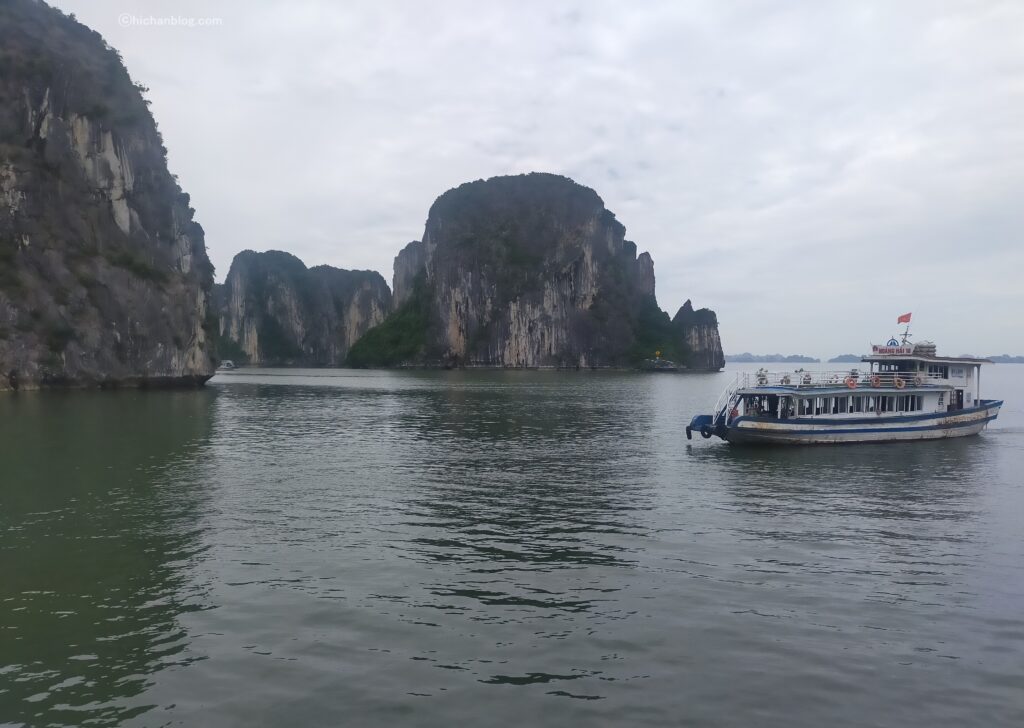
<point>654,335</point>
<point>531,271</point>
<point>274,311</point>
<point>230,350</point>
<point>401,338</point>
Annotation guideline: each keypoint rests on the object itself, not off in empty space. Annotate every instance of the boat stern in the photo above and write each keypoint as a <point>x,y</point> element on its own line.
<point>704,424</point>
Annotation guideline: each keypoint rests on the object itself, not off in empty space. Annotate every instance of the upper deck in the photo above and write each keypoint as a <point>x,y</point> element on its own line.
<point>899,378</point>
<point>916,356</point>
<point>800,380</point>
<point>892,369</point>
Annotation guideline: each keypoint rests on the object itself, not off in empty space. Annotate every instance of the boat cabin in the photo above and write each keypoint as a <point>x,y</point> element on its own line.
<point>900,380</point>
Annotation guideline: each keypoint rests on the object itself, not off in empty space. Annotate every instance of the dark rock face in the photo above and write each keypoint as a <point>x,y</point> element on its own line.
<point>645,274</point>
<point>699,330</point>
<point>527,271</point>
<point>408,263</point>
<point>275,311</point>
<point>104,277</point>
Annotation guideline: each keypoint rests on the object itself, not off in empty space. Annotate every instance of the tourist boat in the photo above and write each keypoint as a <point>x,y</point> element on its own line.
<point>907,392</point>
<point>657,364</point>
<point>226,365</point>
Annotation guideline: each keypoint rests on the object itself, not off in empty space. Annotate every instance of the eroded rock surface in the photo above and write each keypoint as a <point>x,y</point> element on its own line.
<point>274,311</point>
<point>529,271</point>
<point>104,277</point>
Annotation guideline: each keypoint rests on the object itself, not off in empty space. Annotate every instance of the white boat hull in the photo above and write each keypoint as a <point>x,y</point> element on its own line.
<point>805,431</point>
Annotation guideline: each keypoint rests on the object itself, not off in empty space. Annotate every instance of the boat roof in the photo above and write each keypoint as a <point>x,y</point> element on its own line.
<point>921,357</point>
<point>818,391</point>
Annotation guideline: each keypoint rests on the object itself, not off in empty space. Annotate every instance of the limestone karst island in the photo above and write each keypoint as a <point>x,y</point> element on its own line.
<point>105,279</point>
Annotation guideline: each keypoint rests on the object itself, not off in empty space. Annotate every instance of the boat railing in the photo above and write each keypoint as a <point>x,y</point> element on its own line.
<point>727,393</point>
<point>851,378</point>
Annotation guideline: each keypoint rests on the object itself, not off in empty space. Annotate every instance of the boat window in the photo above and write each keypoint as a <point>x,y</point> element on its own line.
<point>938,370</point>
<point>839,407</point>
<point>908,403</point>
<point>806,407</point>
<point>858,404</point>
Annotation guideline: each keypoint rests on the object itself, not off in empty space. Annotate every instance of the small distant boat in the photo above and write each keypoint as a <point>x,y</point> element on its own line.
<point>226,365</point>
<point>907,393</point>
<point>658,364</point>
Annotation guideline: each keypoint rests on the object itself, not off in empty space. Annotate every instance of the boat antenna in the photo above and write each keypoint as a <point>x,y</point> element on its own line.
<point>906,335</point>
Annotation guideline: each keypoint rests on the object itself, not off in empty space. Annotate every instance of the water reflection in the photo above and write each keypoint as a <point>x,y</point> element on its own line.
<point>97,514</point>
<point>533,485</point>
<point>444,548</point>
<point>928,480</point>
<point>885,524</point>
<point>539,474</point>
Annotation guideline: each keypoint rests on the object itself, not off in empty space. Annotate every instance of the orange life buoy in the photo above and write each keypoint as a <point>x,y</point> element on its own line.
<point>851,382</point>
<point>876,381</point>
<point>899,383</point>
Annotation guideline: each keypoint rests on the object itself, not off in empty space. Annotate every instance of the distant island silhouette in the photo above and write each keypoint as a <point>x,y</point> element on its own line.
<point>748,358</point>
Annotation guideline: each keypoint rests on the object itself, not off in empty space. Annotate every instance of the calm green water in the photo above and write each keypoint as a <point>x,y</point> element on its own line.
<point>406,548</point>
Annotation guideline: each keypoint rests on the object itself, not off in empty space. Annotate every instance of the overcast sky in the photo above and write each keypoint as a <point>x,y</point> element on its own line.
<point>810,170</point>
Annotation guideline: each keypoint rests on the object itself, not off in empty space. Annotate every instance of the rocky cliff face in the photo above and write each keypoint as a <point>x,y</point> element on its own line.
<point>699,331</point>
<point>104,277</point>
<point>526,271</point>
<point>408,263</point>
<point>274,311</point>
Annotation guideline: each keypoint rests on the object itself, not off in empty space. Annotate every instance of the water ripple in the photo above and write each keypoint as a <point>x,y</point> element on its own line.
<point>438,548</point>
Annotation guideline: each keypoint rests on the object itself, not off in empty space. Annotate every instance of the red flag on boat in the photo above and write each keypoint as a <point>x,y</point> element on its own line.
<point>904,319</point>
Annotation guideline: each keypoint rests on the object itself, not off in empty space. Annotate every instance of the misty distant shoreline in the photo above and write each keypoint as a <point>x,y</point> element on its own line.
<point>748,358</point>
